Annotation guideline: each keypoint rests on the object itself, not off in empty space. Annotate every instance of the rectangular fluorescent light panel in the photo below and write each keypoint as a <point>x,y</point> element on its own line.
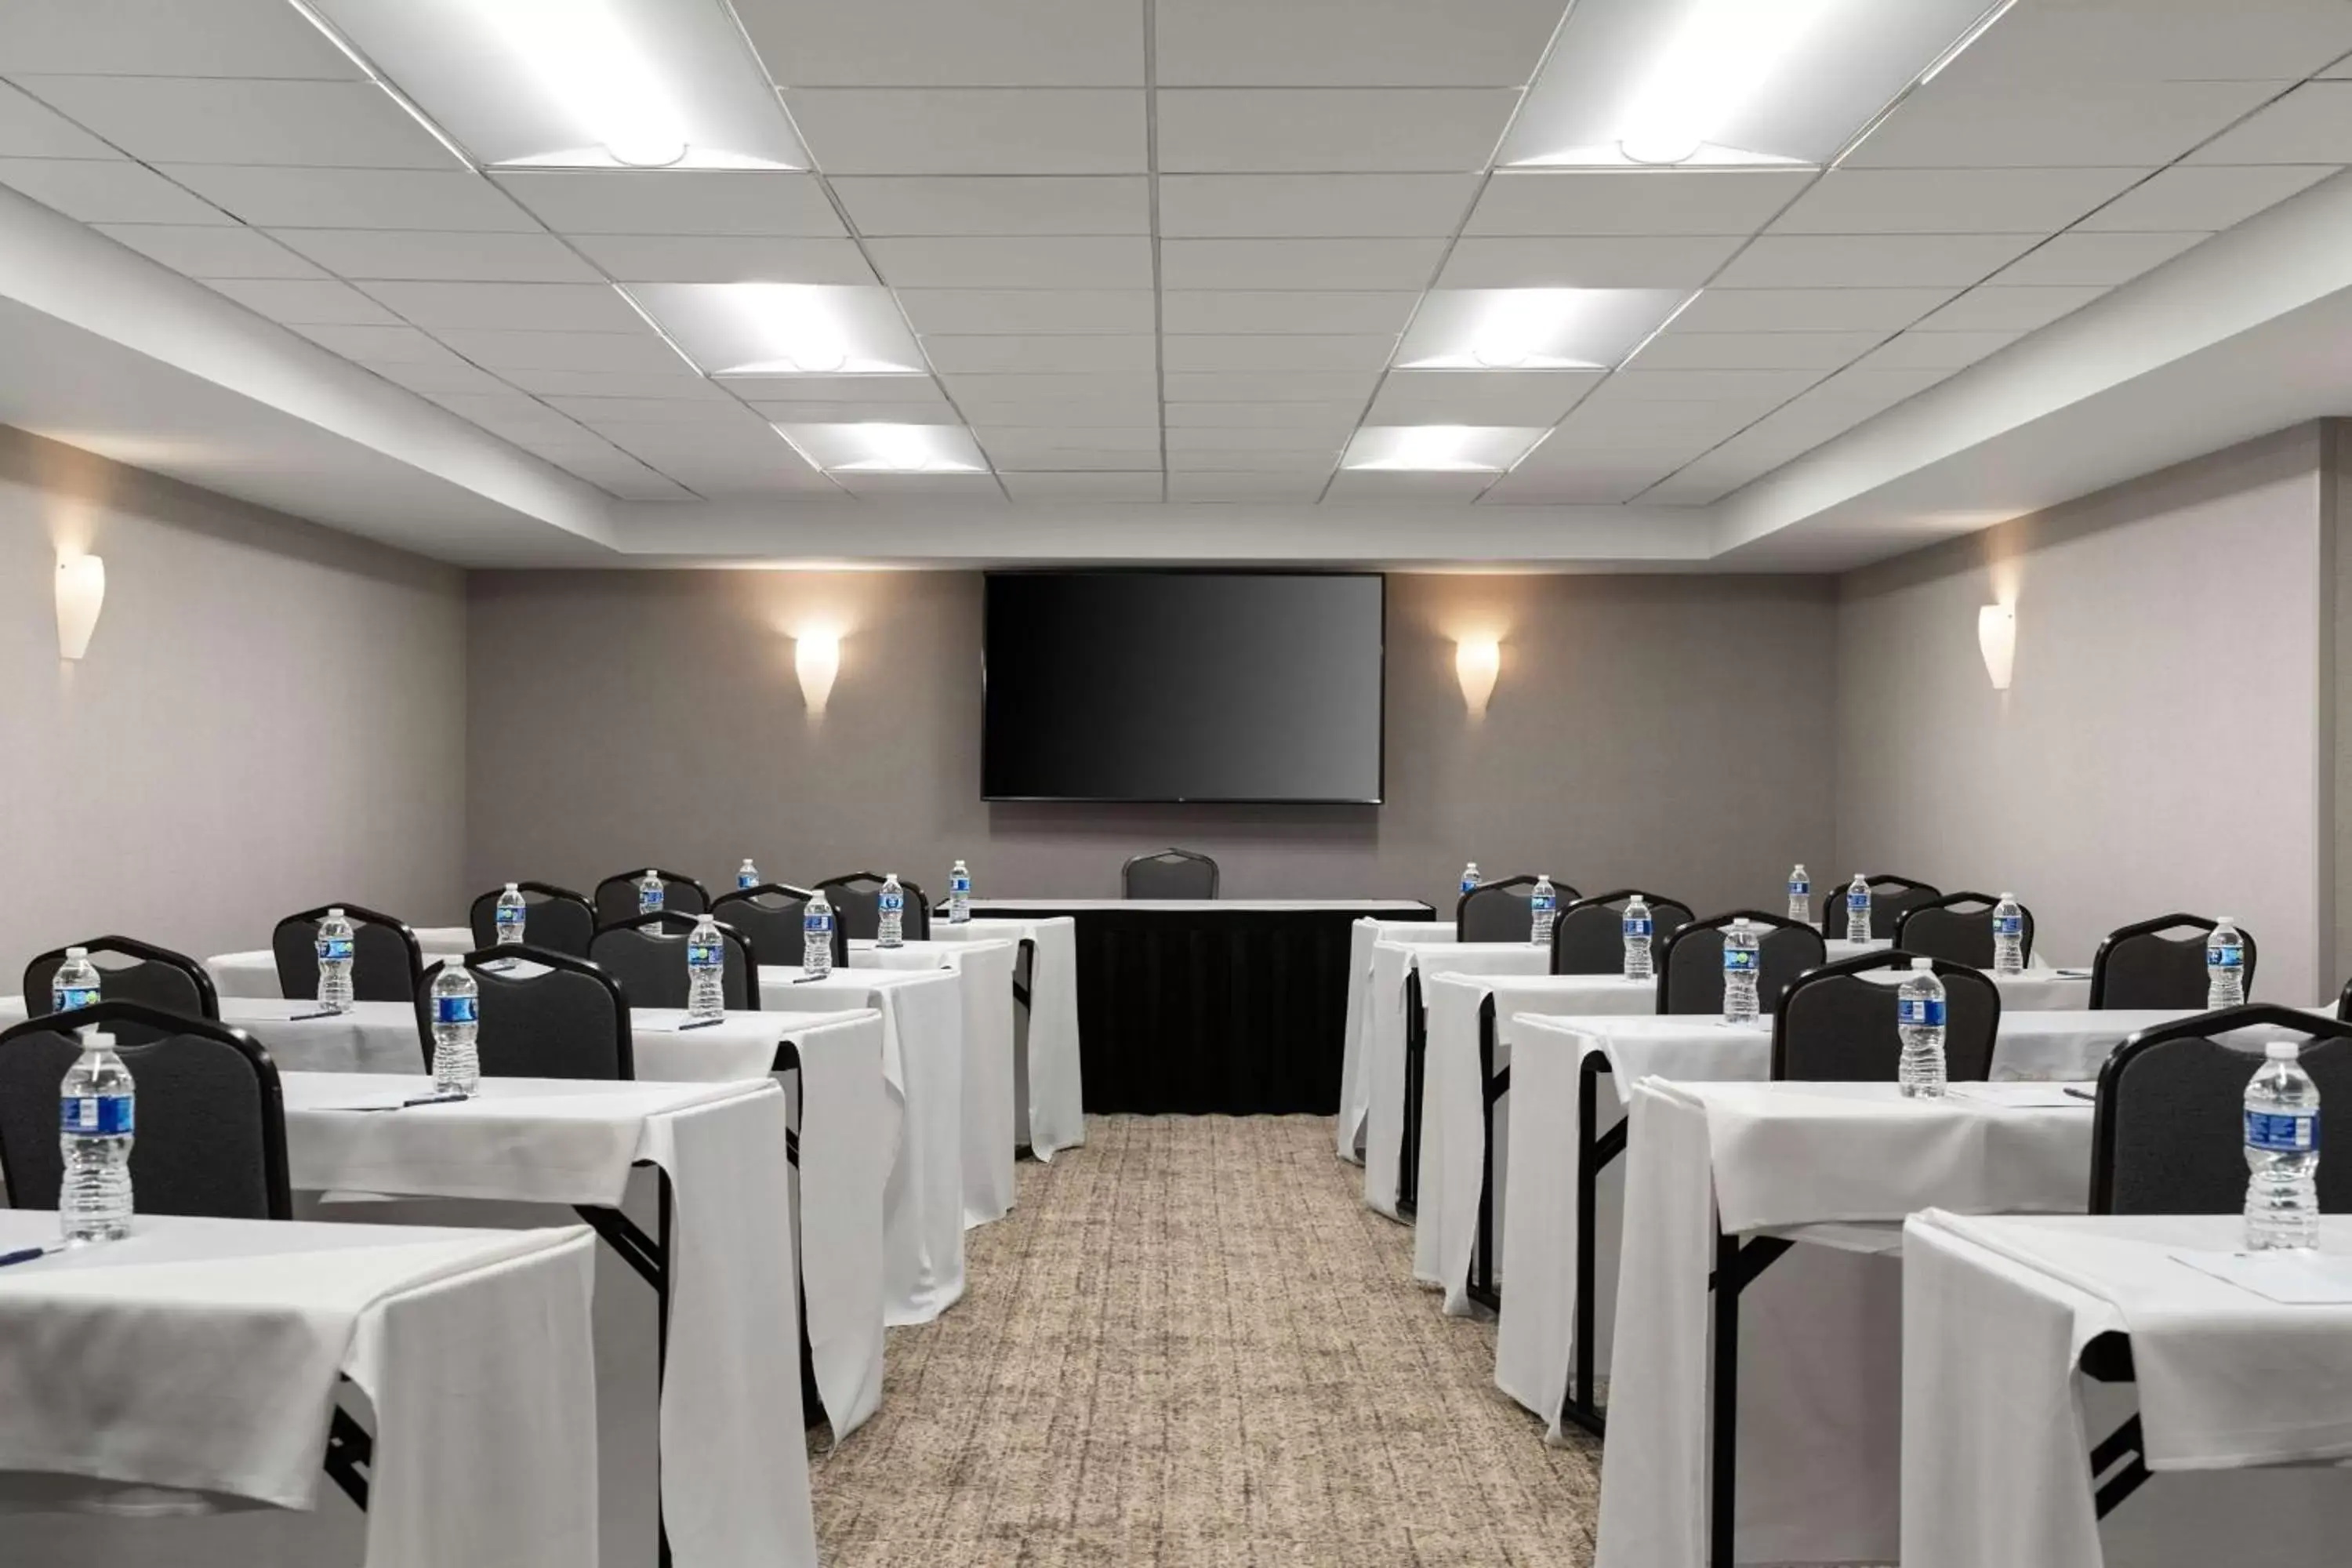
<point>575,84</point>
<point>1440,448</point>
<point>1728,83</point>
<point>783,329</point>
<point>1533,329</point>
<point>877,448</point>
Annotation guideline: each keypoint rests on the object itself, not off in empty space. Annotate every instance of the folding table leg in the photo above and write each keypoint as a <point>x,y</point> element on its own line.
<point>1416,1046</point>
<point>1492,1087</point>
<point>1594,1153</point>
<point>649,1256</point>
<point>1736,1267</point>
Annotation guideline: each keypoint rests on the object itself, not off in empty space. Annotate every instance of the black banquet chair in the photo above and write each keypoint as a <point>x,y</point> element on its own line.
<point>161,978</point>
<point>1497,911</point>
<point>212,1119</point>
<point>1834,1025</point>
<point>386,960</point>
<point>769,916</point>
<point>1690,966</point>
<point>650,964</point>
<point>554,920</point>
<point>541,1015</point>
<point>615,897</point>
<point>1589,937</point>
<point>2144,965</point>
<point>1891,898</point>
<point>1169,873</point>
<point>856,900</point>
<point>1958,927</point>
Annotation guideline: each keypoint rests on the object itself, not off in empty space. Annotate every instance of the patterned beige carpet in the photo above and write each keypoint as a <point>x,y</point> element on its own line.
<point>1193,1347</point>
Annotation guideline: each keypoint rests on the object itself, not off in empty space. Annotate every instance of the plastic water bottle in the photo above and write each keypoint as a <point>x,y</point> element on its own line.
<point>816,935</point>
<point>97,1109</point>
<point>1801,894</point>
<point>891,916</point>
<point>2281,1153</point>
<point>2008,936</point>
<point>75,985</point>
<point>1636,926</point>
<point>337,948</point>
<point>1543,909</point>
<point>2225,966</point>
<point>1742,951</point>
<point>706,970</point>
<point>650,894</point>
<point>959,895</point>
<point>1470,877</point>
<point>747,874</point>
<point>1919,1016</point>
<point>457,1031</point>
<point>1857,908</point>
<point>512,916</point>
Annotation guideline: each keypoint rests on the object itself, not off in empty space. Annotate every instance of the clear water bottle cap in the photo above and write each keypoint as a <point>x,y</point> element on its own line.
<point>2227,921</point>
<point>97,1041</point>
<point>1739,924</point>
<point>2009,897</point>
<point>1923,964</point>
<point>76,953</point>
<point>334,914</point>
<point>514,888</point>
<point>654,874</point>
<point>2282,1051</point>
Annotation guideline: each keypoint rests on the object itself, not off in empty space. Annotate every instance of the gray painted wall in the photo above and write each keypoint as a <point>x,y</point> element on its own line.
<point>1672,732</point>
<point>2141,782</point>
<point>245,664</point>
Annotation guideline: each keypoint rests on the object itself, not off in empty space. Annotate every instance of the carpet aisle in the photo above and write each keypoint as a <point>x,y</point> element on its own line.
<point>1192,1346</point>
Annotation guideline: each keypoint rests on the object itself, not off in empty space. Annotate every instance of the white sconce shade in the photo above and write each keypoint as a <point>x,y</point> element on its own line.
<point>1476,662</point>
<point>1997,640</point>
<point>81,590</point>
<point>816,659</point>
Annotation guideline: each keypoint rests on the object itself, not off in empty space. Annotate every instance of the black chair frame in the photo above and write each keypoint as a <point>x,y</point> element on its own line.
<point>492,960</point>
<point>2177,920</point>
<point>630,879</point>
<point>359,915</point>
<point>1561,891</point>
<point>207,995</point>
<point>676,922</point>
<point>1611,901</point>
<point>1128,866</point>
<point>1954,902</point>
<point>784,891</point>
<point>1833,915</point>
<point>916,916</point>
<point>1893,958</point>
<point>481,915</point>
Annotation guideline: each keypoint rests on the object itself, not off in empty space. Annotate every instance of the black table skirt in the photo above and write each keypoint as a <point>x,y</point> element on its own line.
<point>1213,1012</point>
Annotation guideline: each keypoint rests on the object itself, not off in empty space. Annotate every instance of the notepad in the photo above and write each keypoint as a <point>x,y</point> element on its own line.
<point>2290,1278</point>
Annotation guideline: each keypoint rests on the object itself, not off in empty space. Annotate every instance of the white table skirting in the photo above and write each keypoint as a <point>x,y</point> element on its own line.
<point>1050,1102</point>
<point>985,968</point>
<point>1354,1091</point>
<point>253,972</point>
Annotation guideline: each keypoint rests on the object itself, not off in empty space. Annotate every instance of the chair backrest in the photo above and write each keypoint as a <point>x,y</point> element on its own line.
<point>1835,1026</point>
<point>541,1015</point>
<point>554,920</point>
<point>1690,968</point>
<point>856,900</point>
<point>615,897</point>
<point>210,1137</point>
<point>769,916</point>
<point>1497,911</point>
<point>171,982</point>
<point>1891,898</point>
<point>1589,937</point>
<point>2141,966</point>
<point>1169,873</point>
<point>1957,926</point>
<point>650,964</point>
<point>385,959</point>
<point>2168,1136</point>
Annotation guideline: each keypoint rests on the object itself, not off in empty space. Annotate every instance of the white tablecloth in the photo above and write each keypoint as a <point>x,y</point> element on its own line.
<point>253,972</point>
<point>1820,1360</point>
<point>922,1064</point>
<point>1354,1091</point>
<point>204,1354</point>
<point>985,968</point>
<point>1188,906</point>
<point>1996,1425</point>
<point>1050,1102</point>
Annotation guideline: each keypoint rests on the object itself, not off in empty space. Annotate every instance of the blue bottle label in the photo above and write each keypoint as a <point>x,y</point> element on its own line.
<point>958,884</point>
<point>744,880</point>
<point>893,902</point>
<point>1469,884</point>
<point>649,900</point>
<point>455,1009</point>
<point>1799,888</point>
<point>1920,1011</point>
<point>2225,957</point>
<point>69,997</point>
<point>95,1115</point>
<point>1541,901</point>
<point>1637,926</point>
<point>2283,1132</point>
<point>703,955</point>
<point>335,949</point>
<point>2009,925</point>
<point>1738,960</point>
<point>1858,902</point>
<point>816,925</point>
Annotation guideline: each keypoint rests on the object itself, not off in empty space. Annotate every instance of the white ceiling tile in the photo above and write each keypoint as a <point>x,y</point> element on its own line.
<point>1337,417</point>
<point>1287,311</point>
<point>1871,389</point>
<point>947,43</point>
<point>1503,397</point>
<point>181,120</point>
<point>514,307</point>
<point>1951,201</point>
<point>1018,310</point>
<point>1189,439</point>
<point>2156,40</point>
<point>1293,351</point>
<point>2096,258</point>
<point>1633,201</point>
<point>1055,487</point>
<point>1139,446</point>
<point>1309,206</point>
<point>724,259</point>
<point>304,301</point>
<point>979,488</point>
<point>668,419</point>
<point>2013,309</point>
<point>859,413</point>
<point>625,477</point>
<point>1330,130</point>
<point>1062,352</point>
<point>1018,386</point>
<point>1644,385</point>
<point>676,201</point>
<point>426,256</point>
<point>1677,350</point>
<point>1350,43</point>
<point>1935,351</point>
<point>1244,487</point>
<point>167,37</point>
<point>1271,386</point>
<point>1045,458</point>
<point>911,390</point>
<point>1672,261</point>
<point>641,352</point>
<point>521,419</point>
<point>1310,459</point>
<point>2312,124</point>
<point>353,198</point>
<point>209,252</point>
<point>1375,486</point>
<point>1807,309</point>
<point>1871,260</point>
<point>106,190</point>
<point>997,204</point>
<point>30,129</point>
<point>1014,261</point>
<point>680,383</point>
<point>870,131</point>
<point>381,345</point>
<point>452,374</point>
<point>1306,264</point>
<point>1130,412</point>
<point>1960,119</point>
<point>1599,483</point>
<point>2187,197</point>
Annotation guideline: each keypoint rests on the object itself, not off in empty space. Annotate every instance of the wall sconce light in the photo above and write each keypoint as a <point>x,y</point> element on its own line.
<point>1997,640</point>
<point>1476,661</point>
<point>816,659</point>
<point>81,590</point>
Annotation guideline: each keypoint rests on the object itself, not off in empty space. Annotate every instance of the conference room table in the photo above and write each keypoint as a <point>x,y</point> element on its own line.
<point>196,1364</point>
<point>985,969</point>
<point>253,972</point>
<point>1049,1089</point>
<point>1355,1094</point>
<point>1211,1006</point>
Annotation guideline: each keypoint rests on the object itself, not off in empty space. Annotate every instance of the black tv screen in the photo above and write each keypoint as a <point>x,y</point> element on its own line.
<point>1182,686</point>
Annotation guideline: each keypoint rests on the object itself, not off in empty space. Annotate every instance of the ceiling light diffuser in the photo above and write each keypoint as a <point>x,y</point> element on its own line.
<point>1729,83</point>
<point>1533,329</point>
<point>879,448</point>
<point>575,84</point>
<point>783,329</point>
<point>1440,448</point>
